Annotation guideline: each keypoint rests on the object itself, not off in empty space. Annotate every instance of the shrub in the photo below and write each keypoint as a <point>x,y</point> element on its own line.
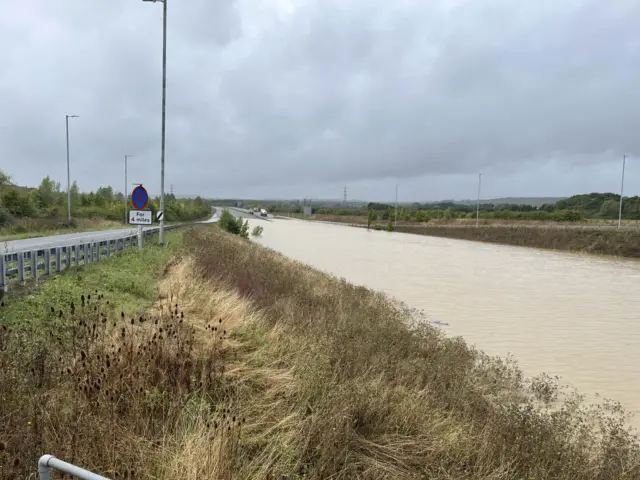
<point>389,226</point>
<point>377,226</point>
<point>234,225</point>
<point>257,231</point>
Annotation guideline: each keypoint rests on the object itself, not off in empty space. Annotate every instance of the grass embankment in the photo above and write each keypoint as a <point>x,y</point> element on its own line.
<point>553,236</point>
<point>610,241</point>
<point>254,366</point>
<point>470,222</point>
<point>31,227</point>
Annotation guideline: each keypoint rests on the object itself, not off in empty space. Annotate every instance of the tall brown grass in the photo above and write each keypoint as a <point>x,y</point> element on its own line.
<point>602,241</point>
<point>113,392</point>
<point>278,371</point>
<point>471,222</point>
<point>349,386</point>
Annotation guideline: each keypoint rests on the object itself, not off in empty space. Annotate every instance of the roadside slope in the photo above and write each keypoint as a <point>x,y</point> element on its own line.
<point>253,366</point>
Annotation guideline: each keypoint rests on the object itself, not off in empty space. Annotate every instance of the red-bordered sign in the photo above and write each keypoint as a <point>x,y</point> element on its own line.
<point>139,198</point>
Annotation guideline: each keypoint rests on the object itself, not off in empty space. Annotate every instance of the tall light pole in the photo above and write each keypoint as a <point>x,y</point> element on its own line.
<point>478,201</point>
<point>126,192</point>
<point>624,161</point>
<point>164,103</point>
<point>67,117</point>
<point>396,216</point>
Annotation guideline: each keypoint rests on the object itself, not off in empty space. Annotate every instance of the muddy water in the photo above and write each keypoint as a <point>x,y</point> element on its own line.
<point>570,315</point>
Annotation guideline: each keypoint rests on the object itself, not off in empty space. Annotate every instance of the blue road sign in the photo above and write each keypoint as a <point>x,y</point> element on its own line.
<point>139,198</point>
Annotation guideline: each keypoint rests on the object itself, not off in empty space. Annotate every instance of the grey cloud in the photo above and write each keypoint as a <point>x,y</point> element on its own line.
<point>331,92</point>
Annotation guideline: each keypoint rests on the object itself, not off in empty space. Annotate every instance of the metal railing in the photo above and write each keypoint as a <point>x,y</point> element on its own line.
<point>48,462</point>
<point>34,262</point>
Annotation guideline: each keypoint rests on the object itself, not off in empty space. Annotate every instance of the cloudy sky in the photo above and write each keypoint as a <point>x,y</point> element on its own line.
<point>297,98</point>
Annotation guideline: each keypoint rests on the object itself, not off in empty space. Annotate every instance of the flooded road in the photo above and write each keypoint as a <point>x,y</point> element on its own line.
<point>575,316</point>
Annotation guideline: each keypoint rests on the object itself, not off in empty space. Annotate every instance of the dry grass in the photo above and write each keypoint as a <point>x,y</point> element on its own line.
<point>340,383</point>
<point>471,222</point>
<point>611,241</point>
<point>547,235</point>
<point>269,369</point>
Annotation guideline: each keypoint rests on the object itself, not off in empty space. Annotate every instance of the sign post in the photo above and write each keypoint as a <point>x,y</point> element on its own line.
<point>139,216</point>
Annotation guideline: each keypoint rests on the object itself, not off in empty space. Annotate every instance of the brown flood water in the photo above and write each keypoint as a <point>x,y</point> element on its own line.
<point>575,316</point>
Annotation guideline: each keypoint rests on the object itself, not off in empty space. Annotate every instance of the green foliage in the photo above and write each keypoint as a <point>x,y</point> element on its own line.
<point>377,226</point>
<point>371,217</point>
<point>257,231</point>
<point>244,229</point>
<point>228,223</point>
<point>234,225</point>
<point>389,226</point>
<point>49,200</point>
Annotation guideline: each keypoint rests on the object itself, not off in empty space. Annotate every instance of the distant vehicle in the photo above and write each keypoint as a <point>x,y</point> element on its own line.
<point>263,212</point>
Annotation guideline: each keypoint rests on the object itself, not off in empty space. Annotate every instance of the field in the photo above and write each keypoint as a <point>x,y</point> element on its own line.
<point>221,359</point>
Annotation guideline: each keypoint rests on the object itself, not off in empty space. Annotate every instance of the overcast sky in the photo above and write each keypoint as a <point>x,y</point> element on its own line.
<point>297,98</point>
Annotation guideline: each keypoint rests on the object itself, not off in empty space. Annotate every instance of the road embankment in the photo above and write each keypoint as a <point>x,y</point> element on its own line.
<point>250,365</point>
<point>601,241</point>
<point>624,242</point>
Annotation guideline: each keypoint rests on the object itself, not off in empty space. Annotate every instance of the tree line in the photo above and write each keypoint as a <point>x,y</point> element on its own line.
<point>49,201</point>
<point>575,208</point>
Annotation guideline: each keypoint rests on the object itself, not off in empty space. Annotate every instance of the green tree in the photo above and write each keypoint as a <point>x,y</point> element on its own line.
<point>244,228</point>
<point>47,193</point>
<point>609,208</point>
<point>5,179</point>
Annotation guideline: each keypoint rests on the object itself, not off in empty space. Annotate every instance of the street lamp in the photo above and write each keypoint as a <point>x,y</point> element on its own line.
<point>126,193</point>
<point>164,103</point>
<point>395,221</point>
<point>67,117</point>
<point>624,160</point>
<point>478,201</point>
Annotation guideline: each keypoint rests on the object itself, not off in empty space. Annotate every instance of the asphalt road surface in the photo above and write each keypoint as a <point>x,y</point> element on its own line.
<point>53,241</point>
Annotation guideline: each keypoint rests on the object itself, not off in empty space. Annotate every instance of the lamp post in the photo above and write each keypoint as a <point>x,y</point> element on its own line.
<point>624,161</point>
<point>164,103</point>
<point>478,201</point>
<point>395,221</point>
<point>126,193</point>
<point>67,117</point>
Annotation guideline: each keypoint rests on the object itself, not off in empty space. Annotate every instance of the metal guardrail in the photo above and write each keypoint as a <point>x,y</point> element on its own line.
<point>48,462</point>
<point>36,262</point>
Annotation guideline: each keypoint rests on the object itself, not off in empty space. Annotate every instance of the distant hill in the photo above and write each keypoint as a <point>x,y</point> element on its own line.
<point>534,201</point>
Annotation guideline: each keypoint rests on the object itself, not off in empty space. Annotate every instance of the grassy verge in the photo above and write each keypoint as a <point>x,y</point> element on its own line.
<point>601,241</point>
<point>44,329</point>
<point>254,366</point>
<point>622,243</point>
<point>471,222</point>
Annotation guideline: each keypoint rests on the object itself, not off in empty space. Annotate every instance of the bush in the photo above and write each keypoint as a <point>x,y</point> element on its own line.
<point>377,226</point>
<point>5,216</point>
<point>389,226</point>
<point>234,225</point>
<point>257,231</point>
